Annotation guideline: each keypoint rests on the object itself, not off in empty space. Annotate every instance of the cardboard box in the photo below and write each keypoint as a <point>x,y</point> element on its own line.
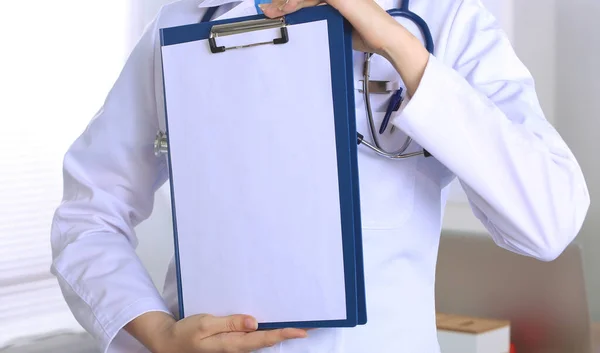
<point>464,334</point>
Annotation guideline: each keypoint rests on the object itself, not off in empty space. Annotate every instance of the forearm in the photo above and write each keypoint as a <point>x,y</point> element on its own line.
<point>384,35</point>
<point>408,56</point>
<point>150,329</point>
<point>378,31</point>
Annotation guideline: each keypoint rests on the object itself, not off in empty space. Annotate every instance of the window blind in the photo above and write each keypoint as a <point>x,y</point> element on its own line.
<point>58,61</point>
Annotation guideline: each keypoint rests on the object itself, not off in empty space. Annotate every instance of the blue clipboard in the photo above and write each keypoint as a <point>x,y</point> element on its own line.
<point>342,81</point>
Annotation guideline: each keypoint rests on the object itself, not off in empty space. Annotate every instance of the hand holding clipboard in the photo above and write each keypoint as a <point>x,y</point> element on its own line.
<point>265,224</point>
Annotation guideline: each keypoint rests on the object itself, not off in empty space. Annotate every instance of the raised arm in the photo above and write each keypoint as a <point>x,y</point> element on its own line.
<point>478,113</point>
<point>476,110</point>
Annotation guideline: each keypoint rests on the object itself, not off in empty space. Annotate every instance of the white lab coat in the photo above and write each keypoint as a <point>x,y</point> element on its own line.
<point>476,111</point>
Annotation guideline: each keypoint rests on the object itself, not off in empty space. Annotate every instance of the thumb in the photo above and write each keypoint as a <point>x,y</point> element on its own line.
<point>212,325</point>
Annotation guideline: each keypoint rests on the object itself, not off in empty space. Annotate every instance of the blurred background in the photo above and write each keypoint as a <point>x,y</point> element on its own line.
<point>60,58</point>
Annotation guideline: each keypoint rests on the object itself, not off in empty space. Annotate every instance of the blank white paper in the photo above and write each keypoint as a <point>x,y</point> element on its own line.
<point>254,168</point>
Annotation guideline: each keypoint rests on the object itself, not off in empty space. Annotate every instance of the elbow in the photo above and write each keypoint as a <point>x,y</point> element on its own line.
<point>561,230</point>
<point>546,236</point>
<point>565,220</point>
<point>551,252</point>
<point>548,245</point>
<point>57,239</point>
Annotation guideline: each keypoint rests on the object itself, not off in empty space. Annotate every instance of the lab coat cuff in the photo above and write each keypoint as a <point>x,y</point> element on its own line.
<point>428,116</point>
<point>116,338</point>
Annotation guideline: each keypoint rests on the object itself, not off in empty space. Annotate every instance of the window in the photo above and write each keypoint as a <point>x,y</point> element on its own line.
<point>58,61</point>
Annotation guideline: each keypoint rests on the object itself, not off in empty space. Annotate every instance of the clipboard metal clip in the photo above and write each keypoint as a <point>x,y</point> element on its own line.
<point>229,29</point>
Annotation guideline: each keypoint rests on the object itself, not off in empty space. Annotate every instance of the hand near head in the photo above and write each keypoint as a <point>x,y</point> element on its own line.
<point>160,333</point>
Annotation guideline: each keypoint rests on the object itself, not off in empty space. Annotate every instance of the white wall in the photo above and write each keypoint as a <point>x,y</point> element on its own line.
<point>578,113</point>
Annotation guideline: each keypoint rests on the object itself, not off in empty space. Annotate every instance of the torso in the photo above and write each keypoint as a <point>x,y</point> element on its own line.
<point>402,203</point>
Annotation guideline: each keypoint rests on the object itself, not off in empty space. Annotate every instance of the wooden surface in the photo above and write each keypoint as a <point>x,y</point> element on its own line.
<point>467,324</point>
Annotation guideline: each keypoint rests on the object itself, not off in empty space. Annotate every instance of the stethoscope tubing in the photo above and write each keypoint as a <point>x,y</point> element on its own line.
<point>375,146</point>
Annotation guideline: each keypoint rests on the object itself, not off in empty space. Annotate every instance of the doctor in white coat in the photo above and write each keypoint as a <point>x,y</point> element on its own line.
<point>472,105</point>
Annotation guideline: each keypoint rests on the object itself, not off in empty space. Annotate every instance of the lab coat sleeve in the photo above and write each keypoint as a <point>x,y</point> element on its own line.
<point>110,178</point>
<point>476,111</point>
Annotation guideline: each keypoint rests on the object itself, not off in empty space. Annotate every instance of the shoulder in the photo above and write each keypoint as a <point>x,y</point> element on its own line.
<point>455,22</point>
<point>178,13</point>
<point>443,13</point>
<point>437,8</point>
<point>144,62</point>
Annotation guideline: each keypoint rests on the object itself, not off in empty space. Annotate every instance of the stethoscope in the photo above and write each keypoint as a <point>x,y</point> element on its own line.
<point>396,98</point>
